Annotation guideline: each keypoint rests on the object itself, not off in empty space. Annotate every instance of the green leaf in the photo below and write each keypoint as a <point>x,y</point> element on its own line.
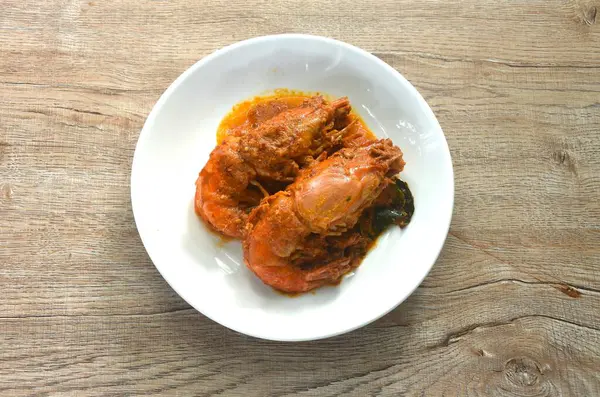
<point>377,219</point>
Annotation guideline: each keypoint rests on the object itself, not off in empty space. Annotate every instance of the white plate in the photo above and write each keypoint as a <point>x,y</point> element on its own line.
<point>210,275</point>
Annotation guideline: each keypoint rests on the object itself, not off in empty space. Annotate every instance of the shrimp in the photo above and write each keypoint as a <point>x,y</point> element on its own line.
<point>355,134</point>
<point>322,205</point>
<point>275,150</point>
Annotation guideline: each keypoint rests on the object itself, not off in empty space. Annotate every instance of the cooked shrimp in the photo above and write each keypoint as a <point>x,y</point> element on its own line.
<point>355,134</point>
<point>274,150</point>
<point>324,202</point>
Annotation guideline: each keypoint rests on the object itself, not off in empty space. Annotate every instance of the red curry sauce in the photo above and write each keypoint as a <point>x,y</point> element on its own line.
<point>238,115</point>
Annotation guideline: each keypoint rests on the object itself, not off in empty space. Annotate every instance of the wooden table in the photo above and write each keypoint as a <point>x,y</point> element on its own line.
<point>512,307</point>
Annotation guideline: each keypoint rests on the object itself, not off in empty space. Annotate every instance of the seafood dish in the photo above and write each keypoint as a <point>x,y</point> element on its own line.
<point>272,148</point>
<point>305,185</point>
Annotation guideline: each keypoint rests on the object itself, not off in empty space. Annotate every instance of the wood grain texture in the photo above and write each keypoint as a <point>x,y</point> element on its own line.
<point>512,307</point>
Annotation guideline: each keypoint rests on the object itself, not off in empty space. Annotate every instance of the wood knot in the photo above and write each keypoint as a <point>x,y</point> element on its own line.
<point>563,157</point>
<point>522,371</point>
<point>584,12</point>
<point>6,191</point>
<point>560,156</point>
<point>589,16</point>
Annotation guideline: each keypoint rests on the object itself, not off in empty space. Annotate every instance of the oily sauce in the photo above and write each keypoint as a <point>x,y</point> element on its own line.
<point>238,115</point>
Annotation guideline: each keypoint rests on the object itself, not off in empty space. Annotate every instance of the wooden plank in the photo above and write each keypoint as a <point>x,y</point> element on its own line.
<point>512,307</point>
<point>182,353</point>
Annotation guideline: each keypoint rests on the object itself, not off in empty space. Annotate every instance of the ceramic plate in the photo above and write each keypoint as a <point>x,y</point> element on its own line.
<point>209,273</point>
